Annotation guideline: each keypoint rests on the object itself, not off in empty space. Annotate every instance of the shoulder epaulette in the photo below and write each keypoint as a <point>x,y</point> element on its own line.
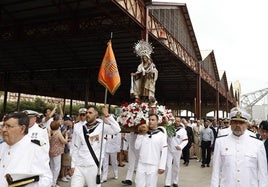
<point>254,137</point>
<point>222,136</point>
<point>41,126</point>
<point>37,142</point>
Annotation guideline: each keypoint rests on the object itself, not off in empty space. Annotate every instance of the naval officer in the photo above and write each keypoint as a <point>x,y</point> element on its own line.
<point>22,159</point>
<point>239,158</point>
<point>37,131</point>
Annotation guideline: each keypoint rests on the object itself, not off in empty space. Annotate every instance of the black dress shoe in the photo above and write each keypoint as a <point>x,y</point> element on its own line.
<point>207,165</point>
<point>167,186</point>
<point>127,182</point>
<point>187,163</point>
<point>175,185</point>
<point>203,165</point>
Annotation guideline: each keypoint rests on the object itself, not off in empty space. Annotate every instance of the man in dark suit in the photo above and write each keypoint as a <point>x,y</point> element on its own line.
<point>264,135</point>
<point>186,149</point>
<point>215,128</point>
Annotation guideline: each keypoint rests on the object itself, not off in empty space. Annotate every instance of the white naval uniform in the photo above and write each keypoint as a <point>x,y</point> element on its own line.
<point>174,156</point>
<point>77,125</point>
<point>85,167</point>
<point>112,147</point>
<point>133,155</point>
<point>251,133</point>
<point>37,133</point>
<point>224,131</point>
<point>152,156</point>
<point>25,157</point>
<point>239,162</point>
<point>228,130</point>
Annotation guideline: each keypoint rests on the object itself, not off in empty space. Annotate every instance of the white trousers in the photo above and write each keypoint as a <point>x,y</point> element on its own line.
<point>113,157</point>
<point>55,165</point>
<point>132,161</point>
<point>85,175</point>
<point>172,167</point>
<point>146,175</point>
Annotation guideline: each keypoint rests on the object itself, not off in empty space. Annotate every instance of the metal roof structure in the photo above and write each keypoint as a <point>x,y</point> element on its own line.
<point>55,48</point>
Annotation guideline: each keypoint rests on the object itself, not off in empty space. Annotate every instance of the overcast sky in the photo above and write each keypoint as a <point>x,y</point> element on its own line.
<point>237,31</point>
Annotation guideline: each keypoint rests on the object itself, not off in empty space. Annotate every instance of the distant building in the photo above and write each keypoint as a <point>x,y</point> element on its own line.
<point>260,112</point>
<point>237,91</point>
<point>13,97</point>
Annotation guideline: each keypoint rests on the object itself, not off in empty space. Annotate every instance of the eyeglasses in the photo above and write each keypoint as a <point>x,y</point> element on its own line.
<point>7,126</point>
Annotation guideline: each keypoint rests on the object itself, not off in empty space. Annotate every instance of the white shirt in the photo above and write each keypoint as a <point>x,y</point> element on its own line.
<point>37,133</point>
<point>152,151</point>
<point>79,123</point>
<point>228,130</point>
<point>113,143</point>
<point>81,155</point>
<point>180,139</point>
<point>239,162</point>
<point>206,134</point>
<point>224,131</point>
<point>27,158</point>
<point>47,123</point>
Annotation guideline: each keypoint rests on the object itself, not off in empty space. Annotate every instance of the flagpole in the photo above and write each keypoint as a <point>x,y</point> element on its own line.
<point>111,85</point>
<point>98,180</point>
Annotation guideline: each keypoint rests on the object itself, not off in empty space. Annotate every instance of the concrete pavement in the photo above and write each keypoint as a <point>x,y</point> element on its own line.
<point>192,175</point>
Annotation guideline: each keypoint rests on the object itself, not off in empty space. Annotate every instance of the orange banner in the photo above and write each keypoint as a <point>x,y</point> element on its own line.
<point>109,75</point>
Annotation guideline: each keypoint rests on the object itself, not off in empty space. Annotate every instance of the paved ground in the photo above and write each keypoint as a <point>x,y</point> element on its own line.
<point>190,176</point>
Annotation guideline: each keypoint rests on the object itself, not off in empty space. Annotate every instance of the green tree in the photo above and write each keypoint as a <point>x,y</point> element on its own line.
<point>40,105</point>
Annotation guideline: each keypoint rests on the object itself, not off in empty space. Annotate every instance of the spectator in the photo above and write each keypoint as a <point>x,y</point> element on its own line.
<point>197,130</point>
<point>186,149</point>
<point>57,143</point>
<point>49,114</point>
<point>215,128</point>
<point>67,128</point>
<point>207,139</point>
<point>264,136</point>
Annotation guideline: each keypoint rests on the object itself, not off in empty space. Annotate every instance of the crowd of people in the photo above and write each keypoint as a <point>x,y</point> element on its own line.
<point>37,151</point>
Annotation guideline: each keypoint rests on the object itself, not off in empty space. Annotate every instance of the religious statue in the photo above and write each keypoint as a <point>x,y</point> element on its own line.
<point>144,79</point>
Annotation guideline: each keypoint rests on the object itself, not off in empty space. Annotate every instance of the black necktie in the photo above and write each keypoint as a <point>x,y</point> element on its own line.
<point>152,133</point>
<point>93,128</point>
